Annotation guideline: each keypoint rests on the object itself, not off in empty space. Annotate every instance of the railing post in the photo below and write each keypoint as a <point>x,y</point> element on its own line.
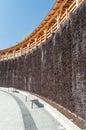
<point>77,3</point>
<point>40,40</point>
<point>10,55</point>
<point>7,55</point>
<point>57,20</point>
<point>14,54</point>
<point>66,13</point>
<point>2,57</point>
<point>45,34</point>
<point>51,30</point>
<point>28,46</point>
<point>35,41</point>
<point>20,51</point>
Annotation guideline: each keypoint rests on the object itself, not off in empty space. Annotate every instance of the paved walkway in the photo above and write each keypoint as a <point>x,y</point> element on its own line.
<point>10,113</point>
<point>17,114</point>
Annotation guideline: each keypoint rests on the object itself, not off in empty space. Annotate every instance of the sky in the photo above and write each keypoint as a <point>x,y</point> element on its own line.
<point>18,18</point>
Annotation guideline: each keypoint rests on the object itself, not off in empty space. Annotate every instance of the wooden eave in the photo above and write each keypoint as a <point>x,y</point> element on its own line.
<point>59,7</point>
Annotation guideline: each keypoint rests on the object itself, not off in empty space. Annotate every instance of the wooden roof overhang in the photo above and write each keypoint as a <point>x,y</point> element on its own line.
<point>57,10</point>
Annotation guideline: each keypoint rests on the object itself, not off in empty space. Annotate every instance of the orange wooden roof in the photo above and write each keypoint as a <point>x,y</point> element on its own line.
<point>57,10</point>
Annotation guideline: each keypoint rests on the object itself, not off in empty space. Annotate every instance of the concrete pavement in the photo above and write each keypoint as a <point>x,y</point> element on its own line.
<point>21,116</point>
<point>10,114</point>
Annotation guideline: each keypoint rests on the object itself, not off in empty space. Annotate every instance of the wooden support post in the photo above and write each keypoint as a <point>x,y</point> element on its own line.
<point>45,34</point>
<point>20,51</point>
<point>77,3</point>
<point>7,55</point>
<point>28,46</point>
<point>57,19</point>
<point>51,30</point>
<point>14,54</point>
<point>36,41</point>
<point>66,13</point>
<point>40,40</point>
<point>2,57</point>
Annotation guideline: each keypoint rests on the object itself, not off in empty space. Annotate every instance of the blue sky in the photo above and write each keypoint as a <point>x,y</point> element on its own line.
<point>18,18</point>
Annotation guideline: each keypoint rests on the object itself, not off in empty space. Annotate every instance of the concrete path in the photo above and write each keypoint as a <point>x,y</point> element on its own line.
<point>10,113</point>
<point>16,113</point>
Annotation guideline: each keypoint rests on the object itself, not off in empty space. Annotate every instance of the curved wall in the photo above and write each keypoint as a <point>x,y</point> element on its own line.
<point>57,68</point>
